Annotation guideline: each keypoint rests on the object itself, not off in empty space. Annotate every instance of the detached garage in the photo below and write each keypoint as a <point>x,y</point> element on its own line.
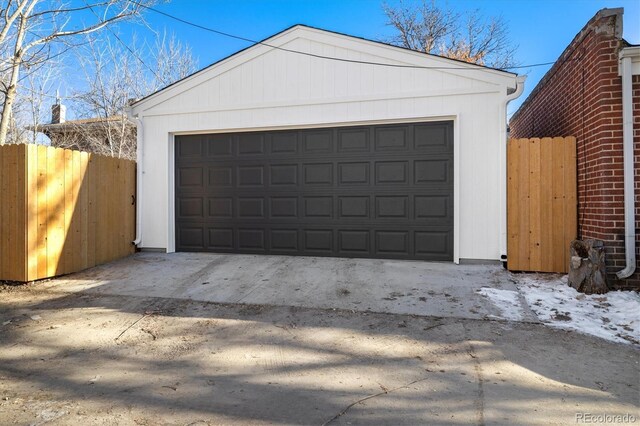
<point>321,144</point>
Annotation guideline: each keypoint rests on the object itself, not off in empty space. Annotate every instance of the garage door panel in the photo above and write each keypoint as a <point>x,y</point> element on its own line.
<point>220,239</point>
<point>190,177</point>
<point>354,207</point>
<point>251,144</point>
<point>284,143</point>
<point>316,207</point>
<point>251,207</point>
<point>432,171</point>
<point>191,207</point>
<point>283,207</point>
<point>283,174</point>
<point>191,237</point>
<point>432,242</point>
<point>392,242</point>
<point>391,172</point>
<point>392,207</point>
<point>354,173</point>
<point>220,207</point>
<point>354,241</point>
<point>284,240</point>
<point>218,146</point>
<point>369,191</point>
<point>220,176</point>
<point>433,207</point>
<point>317,142</point>
<point>318,174</point>
<point>433,138</point>
<point>251,239</point>
<point>353,140</point>
<point>392,138</point>
<point>318,241</point>
<point>250,176</point>
<point>190,150</point>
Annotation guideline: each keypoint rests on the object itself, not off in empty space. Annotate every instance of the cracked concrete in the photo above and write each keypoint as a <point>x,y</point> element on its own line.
<point>363,285</point>
<point>159,339</point>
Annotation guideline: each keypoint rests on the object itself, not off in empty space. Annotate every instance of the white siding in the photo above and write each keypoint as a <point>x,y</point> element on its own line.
<point>264,88</point>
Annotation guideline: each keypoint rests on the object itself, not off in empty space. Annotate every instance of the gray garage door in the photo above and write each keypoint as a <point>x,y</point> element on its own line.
<point>366,191</point>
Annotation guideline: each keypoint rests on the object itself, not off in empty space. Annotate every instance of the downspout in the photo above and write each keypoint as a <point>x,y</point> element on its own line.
<point>627,140</point>
<point>517,91</point>
<point>139,175</point>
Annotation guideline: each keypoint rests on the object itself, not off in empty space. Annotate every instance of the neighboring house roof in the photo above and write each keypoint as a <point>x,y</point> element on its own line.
<point>273,42</point>
<point>85,123</point>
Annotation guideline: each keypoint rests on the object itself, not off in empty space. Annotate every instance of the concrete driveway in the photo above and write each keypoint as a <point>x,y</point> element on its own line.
<point>364,285</point>
<point>139,342</point>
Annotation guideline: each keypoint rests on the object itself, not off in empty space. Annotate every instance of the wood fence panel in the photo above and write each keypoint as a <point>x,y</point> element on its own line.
<point>62,211</point>
<point>12,212</point>
<point>541,203</point>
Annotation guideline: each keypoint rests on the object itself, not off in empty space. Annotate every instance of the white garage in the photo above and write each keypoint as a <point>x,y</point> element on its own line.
<point>318,143</point>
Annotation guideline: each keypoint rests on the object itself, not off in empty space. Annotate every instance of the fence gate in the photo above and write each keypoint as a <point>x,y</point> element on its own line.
<point>541,203</point>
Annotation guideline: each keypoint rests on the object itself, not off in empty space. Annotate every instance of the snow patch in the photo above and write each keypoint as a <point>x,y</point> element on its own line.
<point>614,316</point>
<point>507,302</point>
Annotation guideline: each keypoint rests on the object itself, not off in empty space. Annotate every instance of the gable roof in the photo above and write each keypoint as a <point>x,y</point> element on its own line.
<point>448,63</point>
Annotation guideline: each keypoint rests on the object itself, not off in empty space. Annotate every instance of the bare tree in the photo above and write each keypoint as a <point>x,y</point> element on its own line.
<point>428,27</point>
<point>114,75</point>
<point>32,30</point>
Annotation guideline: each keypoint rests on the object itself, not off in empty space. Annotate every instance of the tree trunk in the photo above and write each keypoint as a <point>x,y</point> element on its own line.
<point>587,272</point>
<point>9,99</point>
<point>10,96</point>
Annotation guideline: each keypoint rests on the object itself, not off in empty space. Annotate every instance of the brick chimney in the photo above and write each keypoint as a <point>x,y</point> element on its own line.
<point>58,112</point>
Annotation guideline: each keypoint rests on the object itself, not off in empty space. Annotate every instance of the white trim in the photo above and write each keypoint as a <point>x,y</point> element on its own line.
<point>456,189</point>
<point>171,193</point>
<point>502,161</point>
<point>171,202</point>
<point>309,102</point>
<point>139,177</point>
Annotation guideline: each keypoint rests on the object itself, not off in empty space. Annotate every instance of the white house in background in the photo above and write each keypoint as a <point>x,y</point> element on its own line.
<point>318,143</point>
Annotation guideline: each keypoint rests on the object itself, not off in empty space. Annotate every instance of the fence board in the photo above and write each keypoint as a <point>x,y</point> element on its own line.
<point>541,203</point>
<point>523,200</point>
<point>43,212</point>
<point>32,207</point>
<point>62,211</point>
<point>534,204</point>
<point>571,193</point>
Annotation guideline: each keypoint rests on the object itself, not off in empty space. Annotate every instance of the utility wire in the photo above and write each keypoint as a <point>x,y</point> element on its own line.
<point>237,37</point>
<point>125,45</point>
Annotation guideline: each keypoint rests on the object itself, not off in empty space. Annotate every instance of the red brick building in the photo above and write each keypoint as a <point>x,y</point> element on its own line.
<point>582,96</point>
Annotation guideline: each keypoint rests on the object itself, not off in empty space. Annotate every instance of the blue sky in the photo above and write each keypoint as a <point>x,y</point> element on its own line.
<point>541,28</point>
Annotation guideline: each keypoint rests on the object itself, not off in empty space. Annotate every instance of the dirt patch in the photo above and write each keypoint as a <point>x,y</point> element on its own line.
<point>98,359</point>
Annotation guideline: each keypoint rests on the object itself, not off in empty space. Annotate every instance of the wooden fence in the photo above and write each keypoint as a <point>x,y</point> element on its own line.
<point>62,211</point>
<point>542,204</point>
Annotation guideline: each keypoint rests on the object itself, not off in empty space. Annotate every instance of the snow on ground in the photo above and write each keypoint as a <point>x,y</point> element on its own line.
<point>507,302</point>
<point>613,316</point>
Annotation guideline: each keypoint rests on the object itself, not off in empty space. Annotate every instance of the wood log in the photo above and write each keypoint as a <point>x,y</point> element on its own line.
<point>587,270</point>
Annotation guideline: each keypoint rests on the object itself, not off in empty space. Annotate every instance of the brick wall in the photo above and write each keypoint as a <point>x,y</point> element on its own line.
<point>581,96</point>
